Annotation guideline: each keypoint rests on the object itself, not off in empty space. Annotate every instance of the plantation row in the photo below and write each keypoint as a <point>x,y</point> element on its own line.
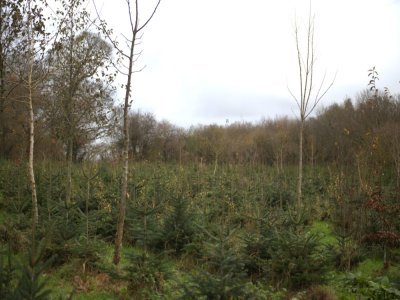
<point>194,233</point>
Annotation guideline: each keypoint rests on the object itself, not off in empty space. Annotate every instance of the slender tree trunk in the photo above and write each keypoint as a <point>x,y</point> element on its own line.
<point>396,158</point>
<point>2,122</point>
<point>312,154</point>
<point>360,179</point>
<point>124,192</point>
<point>35,213</point>
<point>2,98</point>
<point>125,159</point>
<point>300,181</point>
<point>215,164</point>
<point>69,112</point>
<point>87,209</point>
<point>68,190</point>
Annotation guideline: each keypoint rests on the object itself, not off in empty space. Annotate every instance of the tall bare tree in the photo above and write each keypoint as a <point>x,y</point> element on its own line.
<point>130,57</point>
<point>310,92</point>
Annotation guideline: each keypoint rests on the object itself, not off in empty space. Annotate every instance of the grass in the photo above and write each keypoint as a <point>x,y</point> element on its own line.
<point>370,267</point>
<point>98,284</point>
<point>324,230</point>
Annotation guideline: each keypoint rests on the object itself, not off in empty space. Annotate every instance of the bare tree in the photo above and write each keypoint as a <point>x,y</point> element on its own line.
<point>310,92</point>
<point>130,57</point>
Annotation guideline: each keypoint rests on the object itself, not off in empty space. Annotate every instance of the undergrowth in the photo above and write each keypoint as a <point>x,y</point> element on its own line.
<point>190,233</point>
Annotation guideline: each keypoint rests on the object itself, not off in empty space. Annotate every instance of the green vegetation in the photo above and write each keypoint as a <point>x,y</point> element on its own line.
<point>207,228</point>
<point>190,234</point>
<point>155,211</point>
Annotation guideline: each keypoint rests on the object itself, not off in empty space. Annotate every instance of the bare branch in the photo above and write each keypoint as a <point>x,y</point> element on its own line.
<point>133,23</point>
<point>294,97</point>
<point>117,68</point>
<point>319,96</point>
<point>127,40</point>
<point>151,16</point>
<point>140,70</point>
<point>107,33</point>
<point>299,62</point>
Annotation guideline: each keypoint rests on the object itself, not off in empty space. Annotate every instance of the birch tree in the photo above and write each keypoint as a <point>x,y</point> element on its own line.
<point>310,92</point>
<point>31,47</point>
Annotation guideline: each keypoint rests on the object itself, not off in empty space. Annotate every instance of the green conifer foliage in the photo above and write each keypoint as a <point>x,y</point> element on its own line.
<point>225,276</point>
<point>31,284</point>
<point>146,274</point>
<point>179,227</point>
<point>297,260</point>
<point>7,273</point>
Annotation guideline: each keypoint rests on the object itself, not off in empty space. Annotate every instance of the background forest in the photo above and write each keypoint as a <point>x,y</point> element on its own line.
<point>212,211</point>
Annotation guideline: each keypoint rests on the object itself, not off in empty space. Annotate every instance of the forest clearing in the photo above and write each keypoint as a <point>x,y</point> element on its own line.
<point>102,200</point>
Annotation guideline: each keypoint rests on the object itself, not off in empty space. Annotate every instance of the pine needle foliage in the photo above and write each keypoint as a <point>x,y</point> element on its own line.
<point>144,228</point>
<point>297,260</point>
<point>7,274</point>
<point>146,274</point>
<point>31,284</point>
<point>143,216</point>
<point>225,276</point>
<point>179,227</point>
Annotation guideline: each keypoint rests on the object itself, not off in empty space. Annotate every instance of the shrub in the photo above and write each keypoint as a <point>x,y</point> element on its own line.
<point>31,284</point>
<point>298,260</point>
<point>377,288</point>
<point>7,274</point>
<point>179,228</point>
<point>146,274</point>
<point>224,277</point>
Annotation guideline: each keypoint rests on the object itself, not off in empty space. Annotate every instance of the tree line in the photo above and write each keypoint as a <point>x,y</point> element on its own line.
<point>346,134</point>
<point>74,109</point>
<point>355,131</point>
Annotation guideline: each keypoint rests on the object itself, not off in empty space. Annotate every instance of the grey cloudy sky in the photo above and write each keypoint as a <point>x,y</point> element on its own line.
<point>211,60</point>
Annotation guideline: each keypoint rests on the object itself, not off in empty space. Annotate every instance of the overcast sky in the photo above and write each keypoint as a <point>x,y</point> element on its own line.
<point>211,60</point>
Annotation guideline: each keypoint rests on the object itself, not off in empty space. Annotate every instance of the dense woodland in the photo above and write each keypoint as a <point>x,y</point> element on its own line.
<point>354,132</point>
<point>210,211</point>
